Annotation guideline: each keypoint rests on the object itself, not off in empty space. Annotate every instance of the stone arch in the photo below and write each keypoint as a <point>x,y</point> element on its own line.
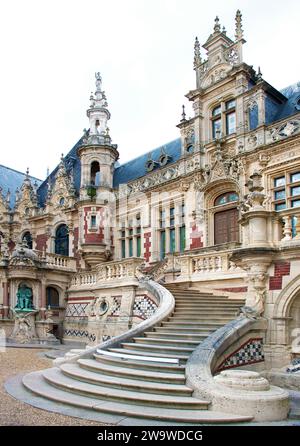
<point>211,193</point>
<point>53,296</point>
<point>288,298</point>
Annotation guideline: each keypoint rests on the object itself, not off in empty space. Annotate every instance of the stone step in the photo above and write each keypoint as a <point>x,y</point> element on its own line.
<point>76,372</point>
<point>137,373</point>
<point>182,330</point>
<point>198,320</point>
<point>187,323</point>
<point>166,341</point>
<point>156,348</point>
<point>209,311</point>
<point>152,353</point>
<point>200,302</point>
<point>56,378</point>
<point>141,365</point>
<point>35,383</point>
<point>180,336</point>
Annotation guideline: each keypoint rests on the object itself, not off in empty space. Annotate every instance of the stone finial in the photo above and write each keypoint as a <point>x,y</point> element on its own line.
<point>259,74</point>
<point>197,54</point>
<point>217,27</point>
<point>183,115</point>
<point>27,172</point>
<point>238,25</point>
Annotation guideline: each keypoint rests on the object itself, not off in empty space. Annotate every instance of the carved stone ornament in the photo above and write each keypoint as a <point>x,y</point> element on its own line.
<point>285,130</point>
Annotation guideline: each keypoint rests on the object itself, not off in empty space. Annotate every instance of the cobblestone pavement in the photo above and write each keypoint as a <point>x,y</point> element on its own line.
<point>16,413</point>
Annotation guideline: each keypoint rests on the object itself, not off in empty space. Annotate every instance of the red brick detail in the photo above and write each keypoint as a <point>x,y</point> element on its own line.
<point>11,245</point>
<point>41,242</point>
<point>196,237</point>
<point>241,289</point>
<point>76,299</point>
<point>94,237</point>
<point>75,247</point>
<point>147,246</point>
<point>280,269</point>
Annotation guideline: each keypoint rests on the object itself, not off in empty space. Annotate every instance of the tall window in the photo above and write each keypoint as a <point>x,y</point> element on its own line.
<point>286,191</point>
<point>28,239</point>
<point>52,297</point>
<point>223,119</point>
<point>171,229</point>
<point>130,238</point>
<point>95,173</point>
<point>226,227</point>
<point>62,240</point>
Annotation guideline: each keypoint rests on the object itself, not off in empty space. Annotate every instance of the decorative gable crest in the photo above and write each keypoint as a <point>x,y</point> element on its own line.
<point>26,198</point>
<point>61,194</point>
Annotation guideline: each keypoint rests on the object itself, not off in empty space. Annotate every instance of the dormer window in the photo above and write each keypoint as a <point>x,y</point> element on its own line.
<point>223,116</point>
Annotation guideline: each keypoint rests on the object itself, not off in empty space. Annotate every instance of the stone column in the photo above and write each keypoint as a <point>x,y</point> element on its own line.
<point>5,300</point>
<point>42,298</point>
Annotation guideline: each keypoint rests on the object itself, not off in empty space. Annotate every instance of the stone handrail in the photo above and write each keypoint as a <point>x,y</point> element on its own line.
<point>196,265</point>
<point>239,392</point>
<point>166,305</point>
<point>88,278</point>
<point>118,269</point>
<point>56,261</point>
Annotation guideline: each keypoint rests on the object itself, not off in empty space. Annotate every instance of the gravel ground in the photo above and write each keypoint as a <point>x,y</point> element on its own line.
<point>16,413</point>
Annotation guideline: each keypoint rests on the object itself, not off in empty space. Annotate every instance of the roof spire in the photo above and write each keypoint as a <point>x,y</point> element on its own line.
<point>238,25</point>
<point>183,115</point>
<point>217,27</point>
<point>259,74</point>
<point>197,54</point>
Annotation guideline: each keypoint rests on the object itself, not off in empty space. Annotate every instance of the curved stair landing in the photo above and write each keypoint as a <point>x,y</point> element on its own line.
<point>145,378</point>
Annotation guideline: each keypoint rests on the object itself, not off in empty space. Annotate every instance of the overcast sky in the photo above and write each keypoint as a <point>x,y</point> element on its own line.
<point>50,51</point>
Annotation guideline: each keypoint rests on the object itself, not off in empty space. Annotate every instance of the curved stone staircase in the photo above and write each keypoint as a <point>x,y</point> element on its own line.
<point>145,378</point>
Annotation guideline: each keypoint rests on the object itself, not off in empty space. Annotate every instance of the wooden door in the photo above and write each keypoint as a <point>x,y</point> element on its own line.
<point>226,226</point>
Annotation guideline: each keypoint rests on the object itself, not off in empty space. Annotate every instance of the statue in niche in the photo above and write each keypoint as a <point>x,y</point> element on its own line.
<point>24,298</point>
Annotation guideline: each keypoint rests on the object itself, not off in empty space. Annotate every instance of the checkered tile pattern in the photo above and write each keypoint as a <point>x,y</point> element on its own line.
<point>80,334</point>
<point>76,310</point>
<point>144,307</point>
<point>294,367</point>
<point>116,305</point>
<point>249,353</point>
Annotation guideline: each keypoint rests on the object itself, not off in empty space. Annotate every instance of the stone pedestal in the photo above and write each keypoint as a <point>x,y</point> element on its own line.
<point>24,331</point>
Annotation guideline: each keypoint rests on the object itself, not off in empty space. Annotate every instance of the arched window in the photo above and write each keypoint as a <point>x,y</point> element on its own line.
<point>95,173</point>
<point>52,297</point>
<point>62,240</point>
<point>28,239</point>
<point>226,226</point>
<point>226,198</point>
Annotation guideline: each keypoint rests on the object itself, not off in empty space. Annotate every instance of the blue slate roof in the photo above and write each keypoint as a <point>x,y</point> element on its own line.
<point>71,161</point>
<point>12,179</point>
<point>136,168</point>
<point>292,93</point>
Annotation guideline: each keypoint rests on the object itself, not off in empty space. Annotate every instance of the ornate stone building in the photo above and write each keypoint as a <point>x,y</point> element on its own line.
<point>215,210</point>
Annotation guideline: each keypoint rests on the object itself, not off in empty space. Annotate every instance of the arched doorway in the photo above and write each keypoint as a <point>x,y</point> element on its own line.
<point>52,297</point>
<point>28,239</point>
<point>226,227</point>
<point>62,240</point>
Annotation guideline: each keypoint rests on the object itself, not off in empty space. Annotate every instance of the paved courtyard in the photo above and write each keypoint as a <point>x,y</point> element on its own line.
<point>16,413</point>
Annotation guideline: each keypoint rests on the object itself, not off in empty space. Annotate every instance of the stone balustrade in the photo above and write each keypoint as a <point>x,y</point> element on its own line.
<point>118,270</point>
<point>57,261</point>
<point>110,272</point>
<point>206,264</point>
<point>291,224</point>
<point>88,278</point>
